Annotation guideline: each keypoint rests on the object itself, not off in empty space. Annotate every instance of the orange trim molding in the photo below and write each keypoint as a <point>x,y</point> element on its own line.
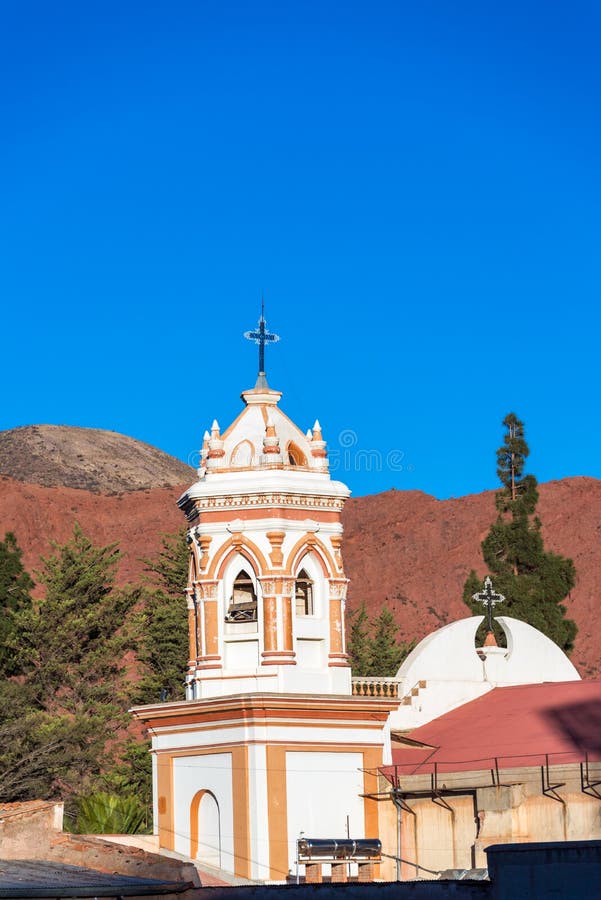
<point>234,545</point>
<point>310,542</point>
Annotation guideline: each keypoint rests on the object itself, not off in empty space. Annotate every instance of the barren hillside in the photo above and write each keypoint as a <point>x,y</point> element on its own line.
<point>86,458</point>
<point>404,546</point>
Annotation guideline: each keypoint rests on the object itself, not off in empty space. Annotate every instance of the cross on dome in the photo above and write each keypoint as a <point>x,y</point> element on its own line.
<point>262,336</point>
<point>489,598</point>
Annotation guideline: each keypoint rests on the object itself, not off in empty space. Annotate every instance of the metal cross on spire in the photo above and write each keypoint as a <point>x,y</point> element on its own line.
<point>262,336</point>
<point>489,598</point>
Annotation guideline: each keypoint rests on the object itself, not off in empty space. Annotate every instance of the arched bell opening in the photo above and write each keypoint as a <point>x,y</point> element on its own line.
<point>311,619</point>
<point>304,597</point>
<point>296,457</point>
<point>242,455</point>
<point>242,605</point>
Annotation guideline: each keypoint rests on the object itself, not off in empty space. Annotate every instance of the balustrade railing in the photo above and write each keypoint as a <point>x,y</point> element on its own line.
<point>375,687</point>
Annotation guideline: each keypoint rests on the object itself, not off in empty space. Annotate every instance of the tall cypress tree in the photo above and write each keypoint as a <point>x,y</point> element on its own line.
<point>534,581</point>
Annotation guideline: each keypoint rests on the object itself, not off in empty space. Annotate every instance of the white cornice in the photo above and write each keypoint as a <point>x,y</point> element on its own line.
<point>259,526</point>
<point>229,484</point>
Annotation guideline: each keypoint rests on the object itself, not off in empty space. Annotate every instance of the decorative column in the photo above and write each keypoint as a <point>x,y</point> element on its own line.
<point>208,625</point>
<point>270,622</point>
<point>286,600</point>
<point>192,628</point>
<point>278,648</point>
<point>337,655</point>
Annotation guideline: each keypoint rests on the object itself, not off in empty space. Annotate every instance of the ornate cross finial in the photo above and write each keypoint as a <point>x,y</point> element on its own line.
<point>489,598</point>
<point>262,336</point>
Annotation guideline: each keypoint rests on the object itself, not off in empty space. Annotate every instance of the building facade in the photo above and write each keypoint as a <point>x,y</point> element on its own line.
<point>270,744</point>
<point>273,742</point>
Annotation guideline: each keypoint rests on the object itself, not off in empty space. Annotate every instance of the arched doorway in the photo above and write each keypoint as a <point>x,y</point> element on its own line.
<point>205,829</point>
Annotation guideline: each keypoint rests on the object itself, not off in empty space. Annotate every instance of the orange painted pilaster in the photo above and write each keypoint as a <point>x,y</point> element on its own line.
<point>208,626</point>
<point>372,759</point>
<point>337,655</point>
<point>270,625</point>
<point>241,795</point>
<point>165,801</point>
<point>287,625</point>
<point>277,813</point>
<point>192,639</point>
<point>200,639</point>
<point>211,628</point>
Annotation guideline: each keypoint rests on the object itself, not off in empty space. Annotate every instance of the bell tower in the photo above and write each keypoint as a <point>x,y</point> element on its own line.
<point>267,588</point>
<point>270,742</point>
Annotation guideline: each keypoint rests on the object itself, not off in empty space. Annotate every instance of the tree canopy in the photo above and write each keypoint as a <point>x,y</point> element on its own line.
<point>373,646</point>
<point>163,646</point>
<point>534,581</point>
<point>68,707</point>
<point>15,596</point>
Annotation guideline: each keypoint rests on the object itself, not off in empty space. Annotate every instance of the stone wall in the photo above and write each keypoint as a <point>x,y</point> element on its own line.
<point>470,814</point>
<point>34,831</point>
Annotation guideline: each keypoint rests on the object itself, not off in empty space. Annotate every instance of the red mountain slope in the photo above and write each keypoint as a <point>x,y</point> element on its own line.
<point>416,551</point>
<point>401,545</point>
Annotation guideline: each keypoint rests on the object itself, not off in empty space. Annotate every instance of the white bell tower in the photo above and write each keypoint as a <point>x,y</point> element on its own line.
<point>267,588</point>
<point>270,741</point>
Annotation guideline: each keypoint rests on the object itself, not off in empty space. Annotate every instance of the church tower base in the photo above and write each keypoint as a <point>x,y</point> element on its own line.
<point>238,779</point>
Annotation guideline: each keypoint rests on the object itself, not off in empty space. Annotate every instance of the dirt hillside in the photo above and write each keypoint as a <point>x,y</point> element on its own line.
<point>403,546</point>
<point>86,458</point>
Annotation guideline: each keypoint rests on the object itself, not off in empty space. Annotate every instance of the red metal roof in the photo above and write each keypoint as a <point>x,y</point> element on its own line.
<point>517,726</point>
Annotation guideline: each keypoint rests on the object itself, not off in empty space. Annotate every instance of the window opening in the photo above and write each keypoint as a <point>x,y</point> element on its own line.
<point>243,602</point>
<point>303,595</point>
<point>296,457</point>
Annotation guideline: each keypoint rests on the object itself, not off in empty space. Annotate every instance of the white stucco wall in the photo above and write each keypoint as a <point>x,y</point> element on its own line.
<point>323,789</point>
<point>210,772</point>
<point>259,824</point>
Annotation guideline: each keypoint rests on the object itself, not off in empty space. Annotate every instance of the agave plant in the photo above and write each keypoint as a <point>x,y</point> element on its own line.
<point>104,813</point>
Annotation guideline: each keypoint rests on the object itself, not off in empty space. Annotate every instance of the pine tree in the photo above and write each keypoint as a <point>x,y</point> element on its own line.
<point>29,746</point>
<point>71,645</point>
<point>74,639</point>
<point>372,646</point>
<point>15,587</point>
<point>387,654</point>
<point>359,644</point>
<point>163,648</point>
<point>533,581</point>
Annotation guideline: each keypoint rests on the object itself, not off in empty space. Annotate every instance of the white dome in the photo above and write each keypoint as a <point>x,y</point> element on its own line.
<point>446,669</point>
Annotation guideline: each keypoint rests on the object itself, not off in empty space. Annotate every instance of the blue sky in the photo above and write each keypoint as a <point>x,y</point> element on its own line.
<point>414,186</point>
